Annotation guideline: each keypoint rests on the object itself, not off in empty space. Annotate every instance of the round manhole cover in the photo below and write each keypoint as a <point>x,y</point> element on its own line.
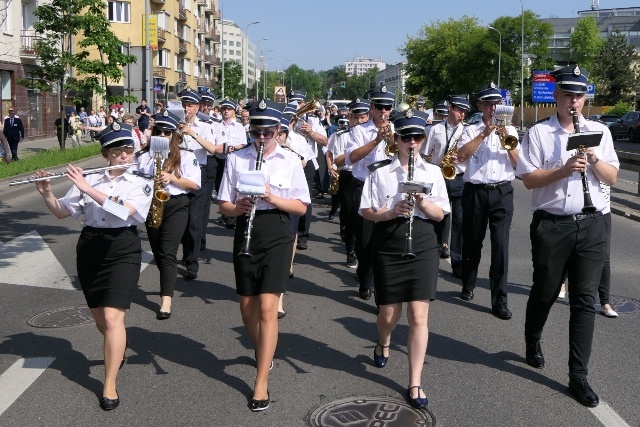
<point>622,305</point>
<point>62,317</point>
<point>361,411</point>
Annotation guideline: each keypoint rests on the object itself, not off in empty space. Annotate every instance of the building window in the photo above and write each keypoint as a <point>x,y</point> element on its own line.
<point>5,15</point>
<point>186,66</point>
<point>163,58</point>
<point>119,11</point>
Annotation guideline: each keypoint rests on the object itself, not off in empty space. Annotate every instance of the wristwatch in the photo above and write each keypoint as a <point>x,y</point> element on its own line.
<point>595,161</point>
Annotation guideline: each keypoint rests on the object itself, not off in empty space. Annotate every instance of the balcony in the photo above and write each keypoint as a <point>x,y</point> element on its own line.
<point>216,62</point>
<point>182,76</point>
<point>162,35</point>
<point>158,1</point>
<point>202,27</point>
<point>202,2</point>
<point>208,4</point>
<point>182,13</point>
<point>28,39</point>
<point>182,47</point>
<point>208,58</point>
<point>159,72</point>
<point>216,14</point>
<point>203,81</point>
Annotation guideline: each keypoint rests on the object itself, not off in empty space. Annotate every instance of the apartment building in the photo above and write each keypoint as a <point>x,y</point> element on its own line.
<point>361,65</point>
<point>236,46</point>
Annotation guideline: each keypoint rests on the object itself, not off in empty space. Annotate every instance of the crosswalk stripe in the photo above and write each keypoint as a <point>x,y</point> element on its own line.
<point>15,380</point>
<point>607,416</point>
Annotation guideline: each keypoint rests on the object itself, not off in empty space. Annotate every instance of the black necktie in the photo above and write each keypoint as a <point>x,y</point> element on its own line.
<point>11,124</point>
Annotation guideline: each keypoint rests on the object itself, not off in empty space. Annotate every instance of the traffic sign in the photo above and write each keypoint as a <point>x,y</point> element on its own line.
<point>591,91</point>
<point>543,86</point>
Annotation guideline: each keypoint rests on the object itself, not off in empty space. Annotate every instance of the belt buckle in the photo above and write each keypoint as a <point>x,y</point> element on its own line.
<point>492,186</point>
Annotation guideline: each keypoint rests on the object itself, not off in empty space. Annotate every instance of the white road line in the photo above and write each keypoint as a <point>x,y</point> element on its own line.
<point>15,380</point>
<point>607,416</point>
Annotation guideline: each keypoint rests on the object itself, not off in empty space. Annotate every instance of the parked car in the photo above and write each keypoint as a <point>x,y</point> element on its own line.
<point>627,126</point>
<point>607,119</point>
<point>474,118</point>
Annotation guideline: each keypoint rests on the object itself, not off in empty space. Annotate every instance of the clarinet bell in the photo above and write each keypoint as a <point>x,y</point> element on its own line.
<point>408,249</point>
<point>244,251</point>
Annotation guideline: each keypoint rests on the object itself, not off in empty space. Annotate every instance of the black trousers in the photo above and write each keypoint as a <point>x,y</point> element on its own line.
<point>191,237</point>
<point>62,137</point>
<point>348,210</point>
<point>165,240</point>
<point>578,247</point>
<point>364,242</point>
<point>210,170</point>
<point>454,189</point>
<point>494,206</point>
<point>13,147</point>
<point>305,220</point>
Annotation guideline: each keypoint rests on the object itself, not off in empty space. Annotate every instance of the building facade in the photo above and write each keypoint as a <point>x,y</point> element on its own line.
<point>236,46</point>
<point>394,78</point>
<point>361,65</point>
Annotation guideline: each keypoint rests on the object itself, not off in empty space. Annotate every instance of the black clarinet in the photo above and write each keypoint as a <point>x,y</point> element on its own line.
<point>588,204</point>
<point>408,248</point>
<point>244,252</point>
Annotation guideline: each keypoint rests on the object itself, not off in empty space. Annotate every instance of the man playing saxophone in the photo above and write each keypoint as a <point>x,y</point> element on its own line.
<point>442,142</point>
<point>487,197</point>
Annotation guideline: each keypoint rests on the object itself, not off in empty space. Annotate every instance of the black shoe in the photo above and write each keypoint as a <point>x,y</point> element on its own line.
<point>163,315</point>
<point>259,405</point>
<point>291,274</point>
<point>445,253</point>
<point>466,295</point>
<point>365,294</point>
<point>191,275</point>
<point>109,404</point>
<point>535,358</point>
<point>583,392</point>
<point>501,311</point>
<point>281,314</point>
<point>203,248</point>
<point>352,261</point>
<point>230,224</point>
<point>301,246</point>
<point>418,402</point>
<point>457,272</point>
<point>380,361</point>
<point>331,216</point>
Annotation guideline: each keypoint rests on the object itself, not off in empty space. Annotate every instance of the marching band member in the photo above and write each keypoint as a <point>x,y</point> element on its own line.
<point>108,252</point>
<point>261,277</point>
<point>207,98</point>
<point>487,197</point>
<point>444,138</point>
<point>179,174</point>
<point>396,278</point>
<point>364,149</point>
<point>564,237</point>
<point>199,138</point>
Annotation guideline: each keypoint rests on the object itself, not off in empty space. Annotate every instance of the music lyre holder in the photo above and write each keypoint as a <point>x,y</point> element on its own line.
<point>583,140</point>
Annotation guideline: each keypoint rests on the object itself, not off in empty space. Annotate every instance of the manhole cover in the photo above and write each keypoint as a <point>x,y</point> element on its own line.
<point>370,411</point>
<point>622,305</point>
<point>62,317</point>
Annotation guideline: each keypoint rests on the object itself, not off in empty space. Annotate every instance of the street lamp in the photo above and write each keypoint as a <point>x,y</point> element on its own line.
<point>255,67</point>
<point>264,79</point>
<point>499,52</point>
<point>246,55</point>
<point>283,64</point>
<point>256,75</point>
<point>522,71</point>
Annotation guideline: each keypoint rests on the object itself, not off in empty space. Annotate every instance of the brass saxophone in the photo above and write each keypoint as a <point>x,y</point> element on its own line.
<point>334,185</point>
<point>446,164</point>
<point>160,195</point>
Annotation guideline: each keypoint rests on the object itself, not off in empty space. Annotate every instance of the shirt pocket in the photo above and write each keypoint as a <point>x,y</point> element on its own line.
<point>552,159</point>
<point>280,183</point>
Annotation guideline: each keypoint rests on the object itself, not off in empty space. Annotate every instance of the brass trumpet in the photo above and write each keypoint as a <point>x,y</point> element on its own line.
<point>501,119</point>
<point>391,147</point>
<point>304,110</point>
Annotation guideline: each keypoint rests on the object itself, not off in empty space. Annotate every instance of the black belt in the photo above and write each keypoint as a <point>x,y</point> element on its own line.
<point>492,186</point>
<point>573,218</point>
<point>358,182</point>
<point>203,166</point>
<point>109,231</point>
<point>177,196</point>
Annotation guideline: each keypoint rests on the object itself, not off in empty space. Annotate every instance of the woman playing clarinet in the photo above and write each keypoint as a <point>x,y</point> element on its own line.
<point>406,255</point>
<point>263,238</point>
<point>108,252</point>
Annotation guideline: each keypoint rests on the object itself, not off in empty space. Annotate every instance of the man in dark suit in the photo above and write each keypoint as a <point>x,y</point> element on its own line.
<point>13,131</point>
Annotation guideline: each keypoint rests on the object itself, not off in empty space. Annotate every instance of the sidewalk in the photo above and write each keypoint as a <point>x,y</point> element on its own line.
<point>27,148</point>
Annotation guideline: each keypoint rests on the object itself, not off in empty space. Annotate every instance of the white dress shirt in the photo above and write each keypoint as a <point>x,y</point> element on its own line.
<point>436,142</point>
<point>128,187</point>
<point>490,163</point>
<point>544,147</point>
<point>204,130</point>
<point>381,186</point>
<point>189,169</point>
<point>337,145</point>
<point>230,133</point>
<point>361,135</point>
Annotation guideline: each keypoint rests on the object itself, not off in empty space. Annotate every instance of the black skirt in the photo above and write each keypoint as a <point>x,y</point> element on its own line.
<point>108,263</point>
<point>271,246</point>
<point>398,280</point>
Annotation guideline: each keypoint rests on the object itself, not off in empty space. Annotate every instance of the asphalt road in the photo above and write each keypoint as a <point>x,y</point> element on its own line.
<point>196,369</point>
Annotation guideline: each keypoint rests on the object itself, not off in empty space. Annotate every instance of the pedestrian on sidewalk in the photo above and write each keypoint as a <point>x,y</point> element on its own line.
<point>62,129</point>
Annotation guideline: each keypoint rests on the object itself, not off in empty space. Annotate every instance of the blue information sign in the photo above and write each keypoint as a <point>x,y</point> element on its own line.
<point>542,87</point>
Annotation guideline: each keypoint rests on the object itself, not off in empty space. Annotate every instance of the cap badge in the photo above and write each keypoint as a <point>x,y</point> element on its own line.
<point>165,113</point>
<point>383,89</point>
<point>292,93</point>
<point>445,103</point>
<point>262,105</point>
<point>409,113</point>
<point>116,126</point>
<point>492,85</point>
<point>357,99</point>
<point>576,71</point>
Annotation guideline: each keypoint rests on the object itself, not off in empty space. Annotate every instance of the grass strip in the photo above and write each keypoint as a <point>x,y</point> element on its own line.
<point>48,159</point>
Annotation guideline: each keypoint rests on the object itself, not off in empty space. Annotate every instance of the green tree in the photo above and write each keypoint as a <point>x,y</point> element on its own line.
<point>59,23</point>
<point>585,43</point>
<point>233,86</point>
<point>614,73</point>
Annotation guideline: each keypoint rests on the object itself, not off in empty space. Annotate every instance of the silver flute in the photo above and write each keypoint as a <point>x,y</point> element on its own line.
<point>55,175</point>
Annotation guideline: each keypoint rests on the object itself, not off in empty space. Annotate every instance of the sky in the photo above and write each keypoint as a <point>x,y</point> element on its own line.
<point>321,35</point>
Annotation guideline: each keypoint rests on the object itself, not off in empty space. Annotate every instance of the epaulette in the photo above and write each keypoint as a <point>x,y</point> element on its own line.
<point>341,131</point>
<point>142,175</point>
<point>377,165</point>
<point>187,149</point>
<point>203,117</point>
<point>542,120</point>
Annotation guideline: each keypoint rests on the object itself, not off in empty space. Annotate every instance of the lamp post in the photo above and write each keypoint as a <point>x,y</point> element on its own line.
<point>256,75</point>
<point>522,71</point>
<point>264,79</point>
<point>283,64</point>
<point>499,53</point>
<point>246,55</point>
<point>255,67</point>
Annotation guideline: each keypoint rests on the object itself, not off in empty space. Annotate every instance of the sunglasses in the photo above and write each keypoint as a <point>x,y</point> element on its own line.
<point>116,152</point>
<point>407,138</point>
<point>382,107</point>
<point>162,132</point>
<point>257,133</point>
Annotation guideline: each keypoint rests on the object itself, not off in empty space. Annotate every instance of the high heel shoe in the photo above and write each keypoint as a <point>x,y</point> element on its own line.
<point>418,402</point>
<point>107,404</point>
<point>259,405</point>
<point>380,361</point>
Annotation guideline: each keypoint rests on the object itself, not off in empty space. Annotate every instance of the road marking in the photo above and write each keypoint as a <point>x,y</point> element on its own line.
<point>15,380</point>
<point>607,416</point>
<point>28,261</point>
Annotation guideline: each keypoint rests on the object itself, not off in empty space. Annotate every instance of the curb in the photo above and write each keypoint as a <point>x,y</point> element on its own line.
<point>625,211</point>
